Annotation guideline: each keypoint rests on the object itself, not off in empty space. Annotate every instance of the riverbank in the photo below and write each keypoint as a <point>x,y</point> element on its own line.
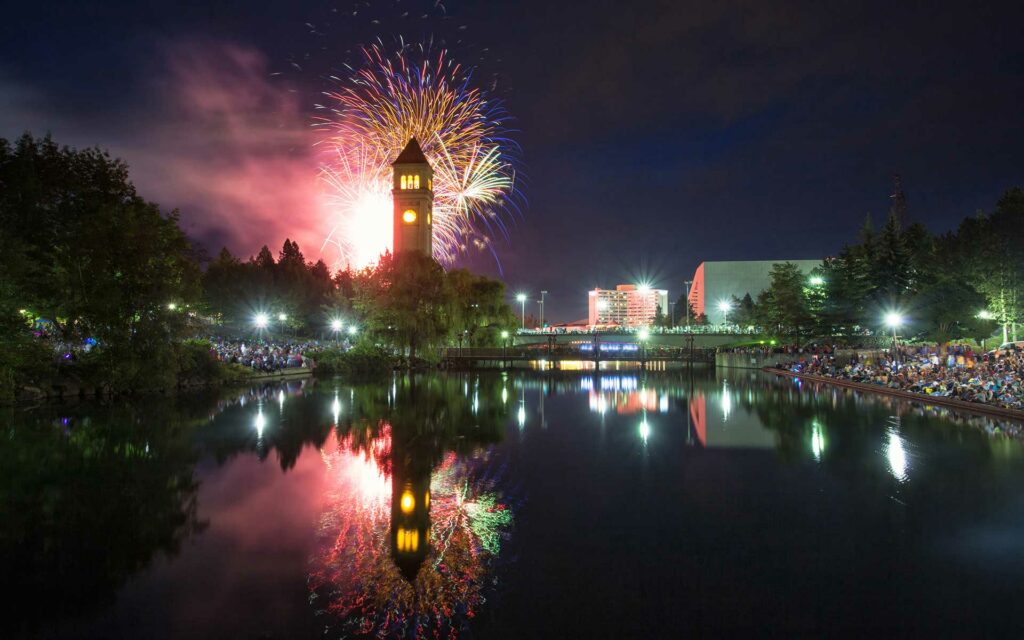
<point>75,390</point>
<point>972,407</point>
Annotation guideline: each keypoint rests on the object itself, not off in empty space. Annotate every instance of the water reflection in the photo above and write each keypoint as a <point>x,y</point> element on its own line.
<point>415,490</point>
<point>896,453</point>
<point>415,515</point>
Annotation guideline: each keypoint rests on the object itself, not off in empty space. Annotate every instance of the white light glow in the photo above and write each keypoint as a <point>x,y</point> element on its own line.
<point>817,441</point>
<point>897,456</point>
<point>645,430</point>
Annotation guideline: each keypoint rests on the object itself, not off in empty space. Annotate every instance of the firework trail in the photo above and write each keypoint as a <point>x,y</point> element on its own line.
<point>386,101</point>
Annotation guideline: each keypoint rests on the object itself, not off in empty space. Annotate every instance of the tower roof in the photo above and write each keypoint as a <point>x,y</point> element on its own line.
<point>411,154</point>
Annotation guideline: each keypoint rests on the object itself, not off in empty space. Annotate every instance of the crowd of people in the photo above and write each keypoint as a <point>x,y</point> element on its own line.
<point>993,378</point>
<point>768,349</point>
<point>264,356</point>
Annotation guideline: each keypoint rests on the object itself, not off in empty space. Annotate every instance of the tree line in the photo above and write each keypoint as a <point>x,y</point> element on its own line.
<point>87,261</point>
<point>964,284</point>
<point>407,302</point>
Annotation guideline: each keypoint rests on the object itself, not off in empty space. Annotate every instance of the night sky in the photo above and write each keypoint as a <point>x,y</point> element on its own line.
<point>654,135</point>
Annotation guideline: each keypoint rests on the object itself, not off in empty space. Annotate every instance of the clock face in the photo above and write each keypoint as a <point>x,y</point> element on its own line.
<point>409,216</point>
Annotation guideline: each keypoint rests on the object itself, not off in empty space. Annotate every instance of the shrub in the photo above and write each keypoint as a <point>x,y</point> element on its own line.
<point>361,359</point>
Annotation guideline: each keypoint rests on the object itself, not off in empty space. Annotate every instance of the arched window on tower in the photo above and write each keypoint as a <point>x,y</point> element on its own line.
<point>416,181</point>
<point>403,182</point>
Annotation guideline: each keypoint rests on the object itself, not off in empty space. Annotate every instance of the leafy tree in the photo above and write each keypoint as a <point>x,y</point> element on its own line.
<point>782,308</point>
<point>83,250</point>
<point>744,312</point>
<point>405,302</point>
<point>989,250</point>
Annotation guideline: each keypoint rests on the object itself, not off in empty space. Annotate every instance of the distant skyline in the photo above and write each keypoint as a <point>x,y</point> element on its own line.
<point>654,135</point>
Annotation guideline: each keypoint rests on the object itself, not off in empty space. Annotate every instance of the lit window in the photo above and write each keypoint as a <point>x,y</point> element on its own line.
<point>430,184</point>
<point>407,503</point>
<point>407,539</point>
<point>403,182</point>
<point>409,216</point>
<point>428,217</point>
<point>416,182</point>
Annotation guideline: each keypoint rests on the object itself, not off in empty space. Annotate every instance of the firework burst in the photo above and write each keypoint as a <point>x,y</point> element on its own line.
<point>385,102</point>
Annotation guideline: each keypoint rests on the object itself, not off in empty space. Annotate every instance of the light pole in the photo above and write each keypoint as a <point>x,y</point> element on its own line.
<point>542,294</point>
<point>985,314</point>
<point>893,320</point>
<point>725,307</point>
<point>671,315</point>
<point>688,283</point>
<point>521,297</point>
<point>643,335</point>
<point>504,346</point>
<point>335,327</point>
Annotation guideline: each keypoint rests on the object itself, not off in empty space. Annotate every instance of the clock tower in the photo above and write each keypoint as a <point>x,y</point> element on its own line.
<point>413,193</point>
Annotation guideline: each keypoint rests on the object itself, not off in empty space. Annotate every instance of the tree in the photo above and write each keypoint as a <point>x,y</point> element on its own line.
<point>660,318</point>
<point>782,308</point>
<point>989,251</point>
<point>404,300</point>
<point>478,309</point>
<point>744,312</point>
<point>83,250</point>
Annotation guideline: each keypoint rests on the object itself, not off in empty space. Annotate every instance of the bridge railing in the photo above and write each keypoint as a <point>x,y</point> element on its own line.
<point>572,352</point>
<point>716,329</point>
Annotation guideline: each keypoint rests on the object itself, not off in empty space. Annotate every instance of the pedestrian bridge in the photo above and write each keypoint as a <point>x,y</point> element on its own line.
<point>599,339</point>
<point>554,353</point>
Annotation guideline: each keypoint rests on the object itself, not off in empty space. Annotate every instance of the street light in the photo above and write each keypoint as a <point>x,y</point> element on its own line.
<point>894,320</point>
<point>643,335</point>
<point>724,306</point>
<point>521,297</point>
<point>817,281</point>
<point>171,306</point>
<point>352,330</point>
<point>282,316</point>
<point>504,345</point>
<point>688,283</point>
<point>336,325</point>
<point>985,314</point>
<point>261,321</point>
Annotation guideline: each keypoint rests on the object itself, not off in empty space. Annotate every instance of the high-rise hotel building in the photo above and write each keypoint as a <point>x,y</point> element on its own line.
<point>625,306</point>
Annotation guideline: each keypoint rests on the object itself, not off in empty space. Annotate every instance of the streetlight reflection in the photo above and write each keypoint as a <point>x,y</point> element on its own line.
<point>817,440</point>
<point>897,456</point>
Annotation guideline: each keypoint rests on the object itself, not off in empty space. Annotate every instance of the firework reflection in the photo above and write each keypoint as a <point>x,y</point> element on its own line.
<point>415,517</point>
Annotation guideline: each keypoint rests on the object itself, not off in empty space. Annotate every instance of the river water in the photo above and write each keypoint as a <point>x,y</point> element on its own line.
<point>526,505</point>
